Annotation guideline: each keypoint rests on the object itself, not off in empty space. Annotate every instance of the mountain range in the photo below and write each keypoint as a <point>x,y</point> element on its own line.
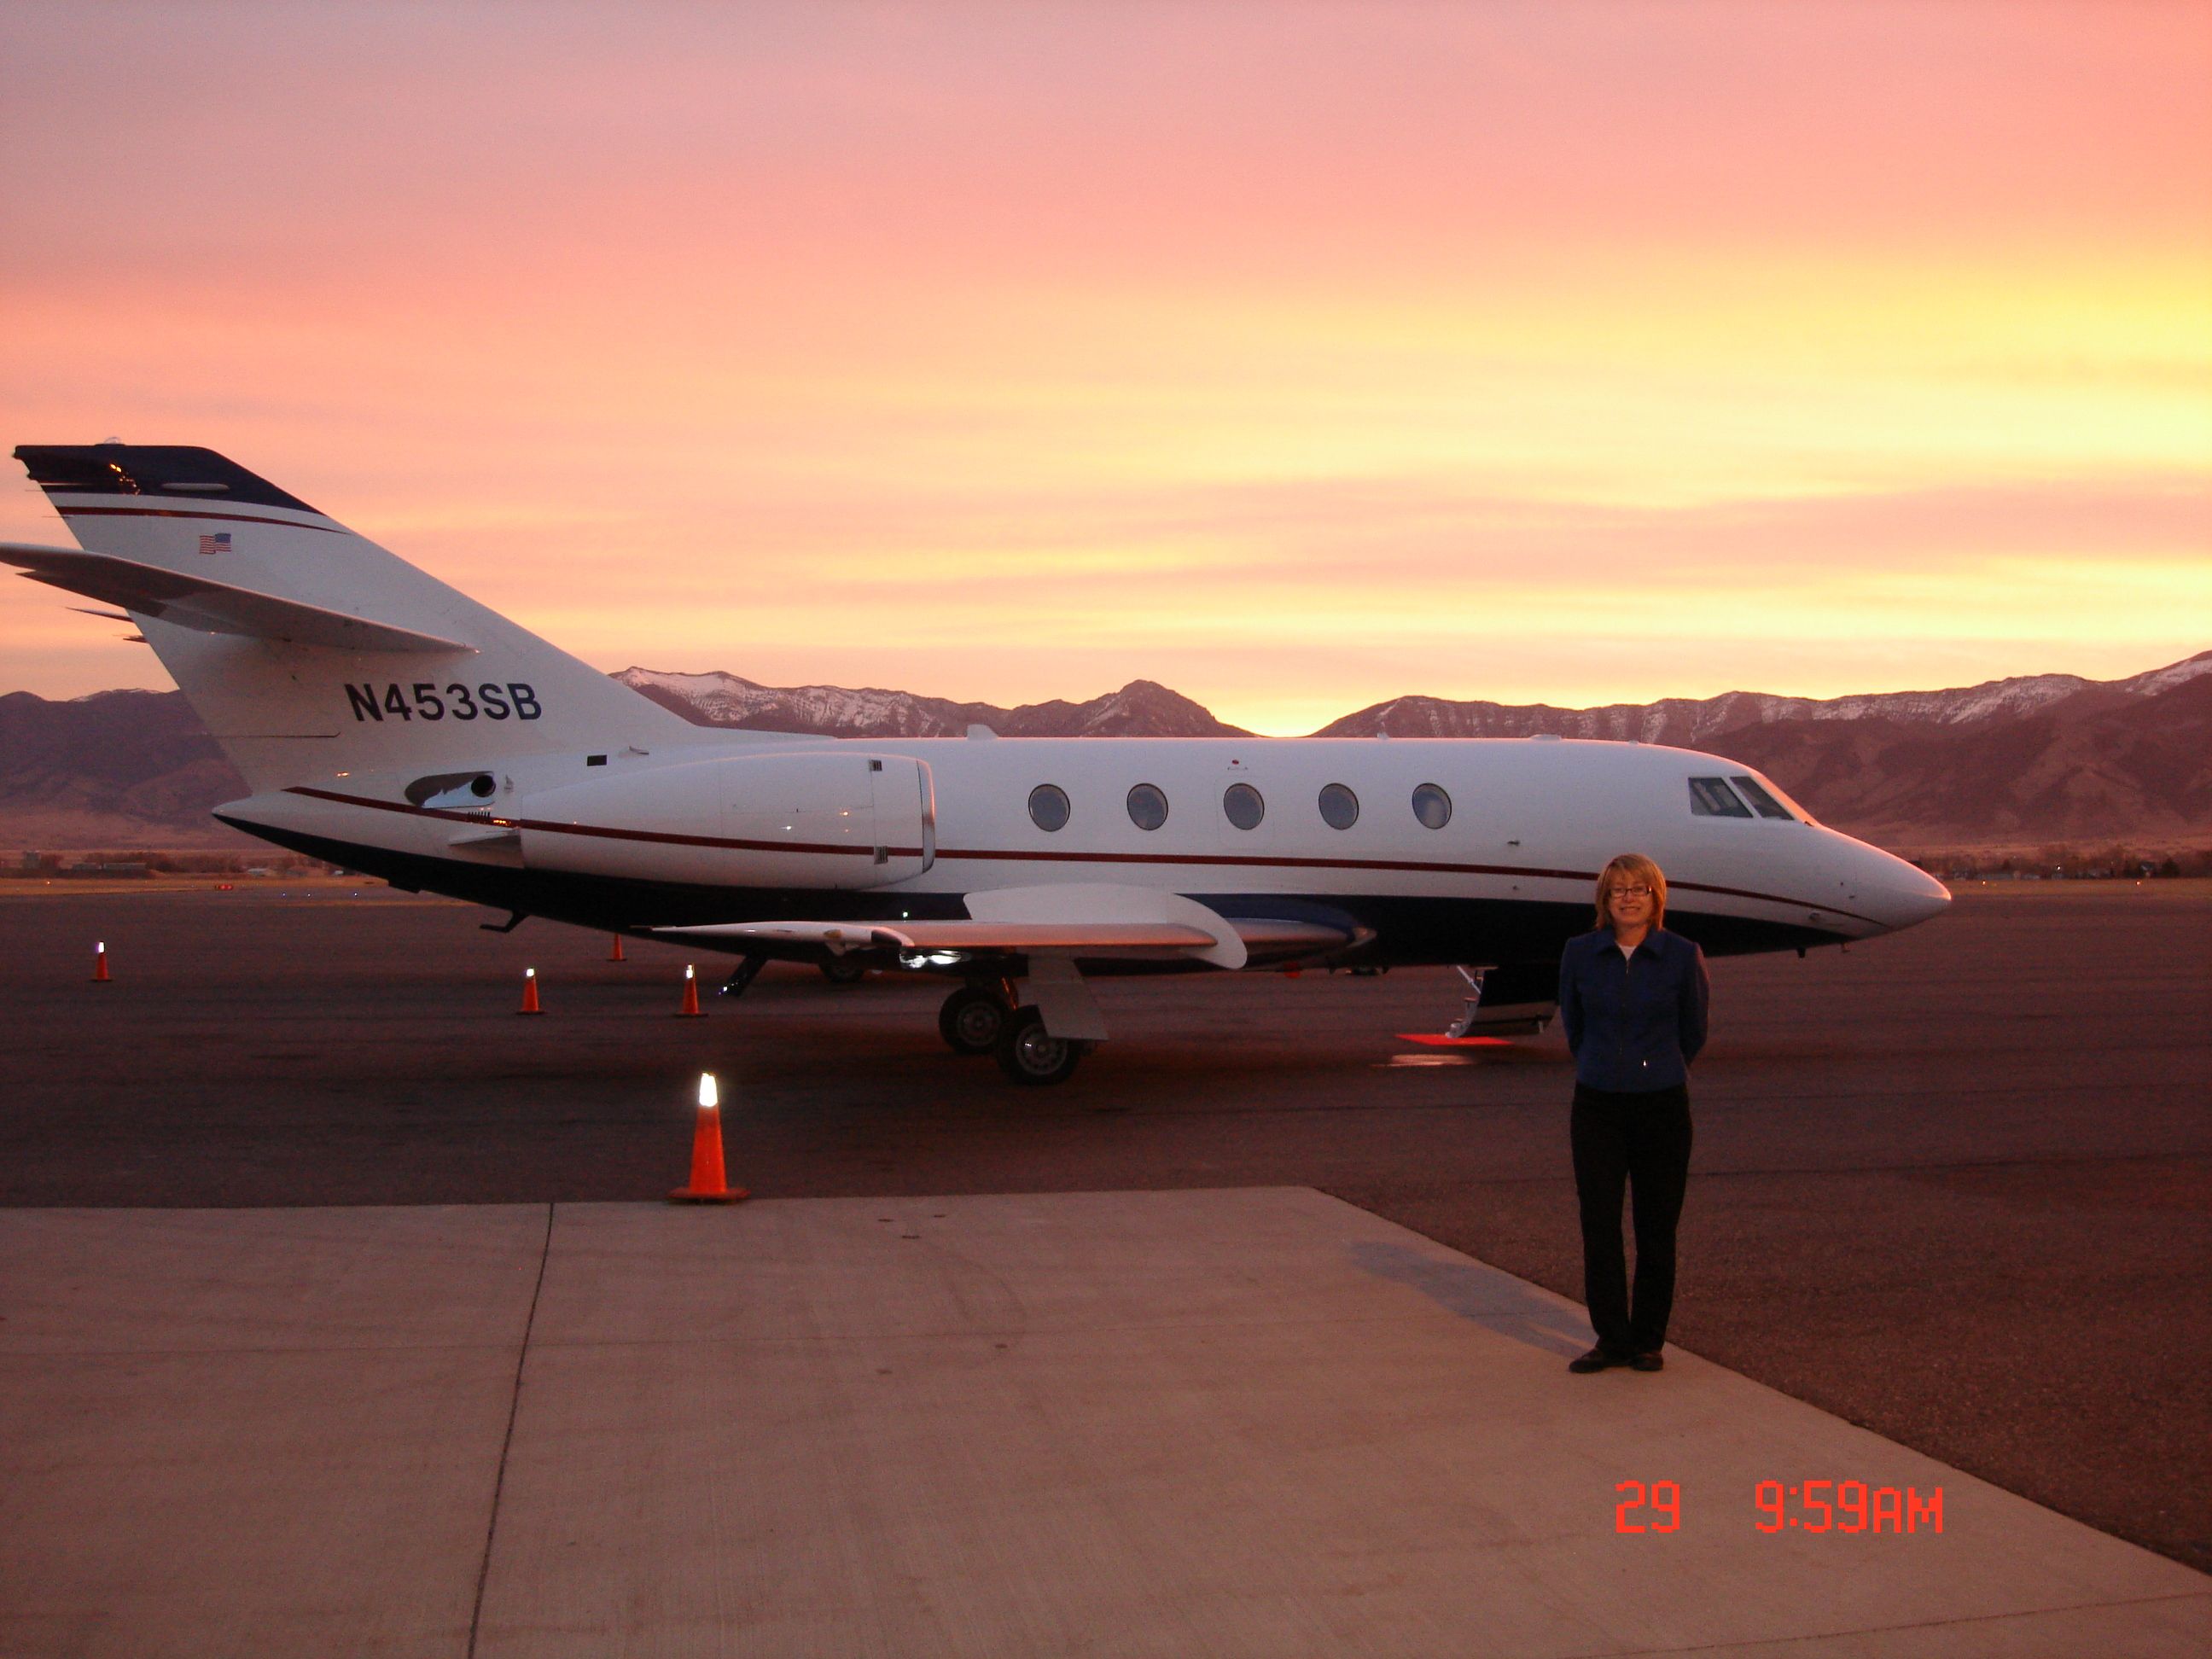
<point>1139,709</point>
<point>2012,762</point>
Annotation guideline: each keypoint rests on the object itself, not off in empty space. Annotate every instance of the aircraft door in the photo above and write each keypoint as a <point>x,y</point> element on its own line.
<point>904,799</point>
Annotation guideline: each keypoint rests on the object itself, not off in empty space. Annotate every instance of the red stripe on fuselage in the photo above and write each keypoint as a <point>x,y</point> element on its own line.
<point>658,837</point>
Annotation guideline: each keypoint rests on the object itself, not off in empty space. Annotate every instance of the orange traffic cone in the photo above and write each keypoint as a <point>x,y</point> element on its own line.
<point>690,1008</point>
<point>530,993</point>
<point>615,954</point>
<point>708,1185</point>
<point>99,964</point>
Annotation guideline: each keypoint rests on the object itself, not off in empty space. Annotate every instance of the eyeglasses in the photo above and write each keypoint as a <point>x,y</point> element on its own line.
<point>1630,893</point>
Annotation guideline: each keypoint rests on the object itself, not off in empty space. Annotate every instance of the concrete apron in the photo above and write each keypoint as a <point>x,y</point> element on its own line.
<point>1255,1421</point>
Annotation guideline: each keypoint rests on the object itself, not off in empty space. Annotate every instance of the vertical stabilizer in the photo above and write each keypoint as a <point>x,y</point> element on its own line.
<point>306,649</point>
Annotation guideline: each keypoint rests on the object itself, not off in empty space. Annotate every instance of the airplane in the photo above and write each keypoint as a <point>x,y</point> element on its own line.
<point>387,723</point>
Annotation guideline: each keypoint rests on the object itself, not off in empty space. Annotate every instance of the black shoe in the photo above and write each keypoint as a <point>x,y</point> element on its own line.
<point>1597,1359</point>
<point>1650,1360</point>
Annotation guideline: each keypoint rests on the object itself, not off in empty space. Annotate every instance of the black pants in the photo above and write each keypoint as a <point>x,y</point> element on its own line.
<point>1641,1142</point>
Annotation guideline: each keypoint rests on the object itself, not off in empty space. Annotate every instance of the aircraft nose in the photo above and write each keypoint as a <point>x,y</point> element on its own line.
<point>1909,895</point>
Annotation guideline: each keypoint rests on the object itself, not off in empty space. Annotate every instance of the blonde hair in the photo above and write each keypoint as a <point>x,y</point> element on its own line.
<point>1629,870</point>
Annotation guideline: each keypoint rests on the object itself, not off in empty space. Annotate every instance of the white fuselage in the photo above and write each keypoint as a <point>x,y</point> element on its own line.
<point>1530,822</point>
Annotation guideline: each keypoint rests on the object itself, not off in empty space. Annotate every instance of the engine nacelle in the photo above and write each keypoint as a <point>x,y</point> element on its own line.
<point>840,818</point>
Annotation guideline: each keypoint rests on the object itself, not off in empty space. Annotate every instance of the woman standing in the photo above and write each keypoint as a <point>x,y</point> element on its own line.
<point>1633,1000</point>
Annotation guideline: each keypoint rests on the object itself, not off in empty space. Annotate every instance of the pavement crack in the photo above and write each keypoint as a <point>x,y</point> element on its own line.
<point>507,1443</point>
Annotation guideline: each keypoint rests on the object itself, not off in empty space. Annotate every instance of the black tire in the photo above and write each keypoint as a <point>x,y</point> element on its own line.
<point>844,970</point>
<point>972,1020</point>
<point>1027,1056</point>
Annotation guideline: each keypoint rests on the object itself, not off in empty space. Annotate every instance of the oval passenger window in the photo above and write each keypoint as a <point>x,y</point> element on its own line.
<point>1242,805</point>
<point>1432,806</point>
<point>1048,806</point>
<point>1148,807</point>
<point>1340,807</point>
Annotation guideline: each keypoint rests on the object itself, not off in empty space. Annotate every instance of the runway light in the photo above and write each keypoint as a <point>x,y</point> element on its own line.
<point>709,1095</point>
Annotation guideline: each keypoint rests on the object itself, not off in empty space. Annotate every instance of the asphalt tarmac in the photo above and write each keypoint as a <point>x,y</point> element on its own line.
<point>1952,1186</point>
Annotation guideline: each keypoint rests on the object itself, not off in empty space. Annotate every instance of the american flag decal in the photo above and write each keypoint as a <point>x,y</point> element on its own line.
<point>218,543</point>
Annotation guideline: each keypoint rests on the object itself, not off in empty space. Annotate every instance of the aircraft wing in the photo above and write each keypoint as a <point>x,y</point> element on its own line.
<point>213,607</point>
<point>1077,920</point>
<point>1153,939</point>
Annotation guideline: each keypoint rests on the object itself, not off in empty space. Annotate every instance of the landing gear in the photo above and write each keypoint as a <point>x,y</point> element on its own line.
<point>973,1019</point>
<point>1465,1023</point>
<point>742,976</point>
<point>844,970</point>
<point>1027,1055</point>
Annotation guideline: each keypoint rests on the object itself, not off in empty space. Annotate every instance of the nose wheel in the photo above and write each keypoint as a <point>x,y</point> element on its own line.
<point>973,1019</point>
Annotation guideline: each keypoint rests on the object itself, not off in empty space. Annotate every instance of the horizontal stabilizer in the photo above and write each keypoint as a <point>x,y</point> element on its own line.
<point>212,607</point>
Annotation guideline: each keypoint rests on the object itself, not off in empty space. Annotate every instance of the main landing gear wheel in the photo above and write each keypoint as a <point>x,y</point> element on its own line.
<point>972,1020</point>
<point>844,970</point>
<point>1027,1055</point>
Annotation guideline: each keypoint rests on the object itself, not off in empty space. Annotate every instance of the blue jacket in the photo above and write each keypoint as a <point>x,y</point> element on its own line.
<point>1633,1026</point>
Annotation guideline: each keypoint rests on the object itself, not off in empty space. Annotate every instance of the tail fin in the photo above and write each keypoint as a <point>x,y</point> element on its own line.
<point>306,649</point>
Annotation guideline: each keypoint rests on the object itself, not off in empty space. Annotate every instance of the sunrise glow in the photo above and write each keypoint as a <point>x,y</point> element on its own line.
<point>1295,357</point>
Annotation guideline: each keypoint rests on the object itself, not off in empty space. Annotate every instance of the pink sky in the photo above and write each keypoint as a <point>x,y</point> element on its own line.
<point>1297,357</point>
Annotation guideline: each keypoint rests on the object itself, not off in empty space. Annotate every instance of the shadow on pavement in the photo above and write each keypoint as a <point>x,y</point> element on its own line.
<point>1496,1301</point>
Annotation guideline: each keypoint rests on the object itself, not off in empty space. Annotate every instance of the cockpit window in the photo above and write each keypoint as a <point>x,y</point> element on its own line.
<point>1756,794</point>
<point>1711,798</point>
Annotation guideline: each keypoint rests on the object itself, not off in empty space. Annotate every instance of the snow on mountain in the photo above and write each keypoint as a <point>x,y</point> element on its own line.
<point>1689,722</point>
<point>1140,708</point>
<point>2165,679</point>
